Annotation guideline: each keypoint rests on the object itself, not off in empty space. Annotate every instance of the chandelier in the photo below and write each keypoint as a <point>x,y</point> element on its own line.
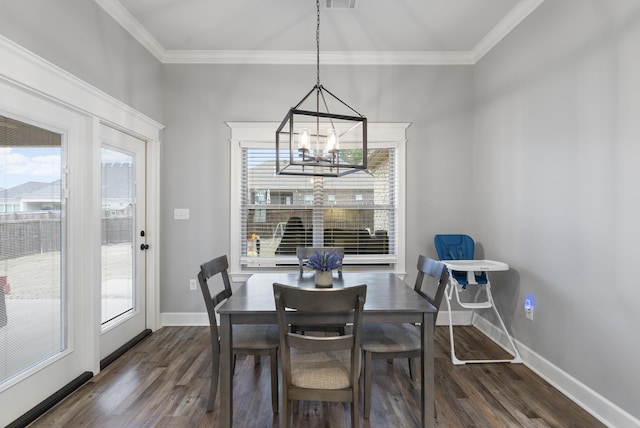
<point>327,138</point>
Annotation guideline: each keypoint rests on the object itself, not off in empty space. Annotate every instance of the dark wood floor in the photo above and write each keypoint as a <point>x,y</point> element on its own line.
<point>164,380</point>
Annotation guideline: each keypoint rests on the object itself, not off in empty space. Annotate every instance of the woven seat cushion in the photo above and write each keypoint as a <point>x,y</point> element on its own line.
<point>255,336</point>
<point>389,338</point>
<point>321,370</point>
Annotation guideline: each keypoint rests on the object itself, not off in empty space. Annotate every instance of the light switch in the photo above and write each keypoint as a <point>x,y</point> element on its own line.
<point>181,213</point>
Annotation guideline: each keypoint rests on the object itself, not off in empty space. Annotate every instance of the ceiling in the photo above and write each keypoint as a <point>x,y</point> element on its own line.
<point>283,31</point>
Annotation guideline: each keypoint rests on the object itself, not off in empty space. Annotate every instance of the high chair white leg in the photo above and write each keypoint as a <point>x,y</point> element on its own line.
<point>453,286</point>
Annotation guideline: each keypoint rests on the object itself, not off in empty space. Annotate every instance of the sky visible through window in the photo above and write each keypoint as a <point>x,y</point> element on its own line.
<point>19,165</point>
<point>24,164</point>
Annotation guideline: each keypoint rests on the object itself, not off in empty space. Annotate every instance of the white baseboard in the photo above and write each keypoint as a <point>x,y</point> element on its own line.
<point>591,401</point>
<point>181,319</point>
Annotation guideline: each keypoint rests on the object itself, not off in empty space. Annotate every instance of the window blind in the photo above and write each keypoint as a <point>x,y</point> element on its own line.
<point>280,213</point>
<point>32,246</point>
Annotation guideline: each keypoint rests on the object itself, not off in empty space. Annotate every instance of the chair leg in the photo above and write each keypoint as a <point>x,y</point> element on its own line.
<point>448,295</point>
<point>412,368</point>
<point>215,373</point>
<point>286,411</point>
<point>367,384</point>
<point>355,409</point>
<point>516,355</point>
<point>274,379</point>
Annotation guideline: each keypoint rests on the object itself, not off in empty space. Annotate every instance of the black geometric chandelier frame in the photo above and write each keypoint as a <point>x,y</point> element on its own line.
<point>310,138</point>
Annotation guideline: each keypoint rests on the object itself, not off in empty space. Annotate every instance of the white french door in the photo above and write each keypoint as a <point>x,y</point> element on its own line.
<point>45,333</point>
<point>123,304</point>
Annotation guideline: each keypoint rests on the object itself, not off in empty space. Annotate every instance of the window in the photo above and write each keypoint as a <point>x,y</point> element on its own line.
<point>275,214</point>
<point>32,256</point>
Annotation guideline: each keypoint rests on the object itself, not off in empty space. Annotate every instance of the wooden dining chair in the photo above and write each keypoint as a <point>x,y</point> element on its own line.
<point>401,340</point>
<point>256,340</point>
<point>319,368</point>
<point>303,254</point>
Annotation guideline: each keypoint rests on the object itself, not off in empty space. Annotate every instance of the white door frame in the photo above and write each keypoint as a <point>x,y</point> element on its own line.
<point>23,71</point>
<point>61,367</point>
<point>125,328</point>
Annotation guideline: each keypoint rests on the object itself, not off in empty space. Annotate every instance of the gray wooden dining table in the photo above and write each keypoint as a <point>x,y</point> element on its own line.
<point>389,299</point>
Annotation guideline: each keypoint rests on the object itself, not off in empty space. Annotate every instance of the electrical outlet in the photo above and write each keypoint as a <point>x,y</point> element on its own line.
<point>528,309</point>
<point>530,314</point>
<point>193,284</point>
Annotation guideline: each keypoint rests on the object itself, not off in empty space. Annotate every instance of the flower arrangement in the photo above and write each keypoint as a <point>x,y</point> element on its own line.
<point>325,261</point>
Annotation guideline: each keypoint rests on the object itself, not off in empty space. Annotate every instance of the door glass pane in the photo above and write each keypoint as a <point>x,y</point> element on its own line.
<point>32,237</point>
<point>117,235</point>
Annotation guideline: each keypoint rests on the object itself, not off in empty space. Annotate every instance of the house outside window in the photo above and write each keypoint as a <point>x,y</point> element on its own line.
<point>359,211</point>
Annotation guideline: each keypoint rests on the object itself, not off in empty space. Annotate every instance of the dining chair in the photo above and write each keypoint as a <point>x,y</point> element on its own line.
<point>319,368</point>
<point>394,340</point>
<point>249,339</point>
<point>303,254</point>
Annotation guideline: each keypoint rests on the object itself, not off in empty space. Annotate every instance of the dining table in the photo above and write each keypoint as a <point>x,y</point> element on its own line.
<point>388,300</point>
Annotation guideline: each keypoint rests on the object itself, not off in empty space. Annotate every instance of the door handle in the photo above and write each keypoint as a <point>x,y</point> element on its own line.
<point>144,247</point>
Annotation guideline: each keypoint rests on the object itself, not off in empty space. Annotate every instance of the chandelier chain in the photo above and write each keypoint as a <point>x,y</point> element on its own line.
<point>320,161</point>
<point>318,42</point>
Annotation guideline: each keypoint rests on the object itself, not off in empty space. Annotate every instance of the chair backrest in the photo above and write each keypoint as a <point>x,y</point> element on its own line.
<point>432,270</point>
<point>454,247</point>
<point>304,253</point>
<point>319,302</point>
<point>457,247</point>
<point>208,270</point>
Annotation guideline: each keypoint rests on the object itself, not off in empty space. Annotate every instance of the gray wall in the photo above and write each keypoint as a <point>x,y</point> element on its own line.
<point>79,37</point>
<point>556,148</point>
<point>541,136</point>
<point>199,99</point>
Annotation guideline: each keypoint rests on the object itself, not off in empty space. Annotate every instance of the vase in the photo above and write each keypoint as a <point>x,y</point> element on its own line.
<point>324,278</point>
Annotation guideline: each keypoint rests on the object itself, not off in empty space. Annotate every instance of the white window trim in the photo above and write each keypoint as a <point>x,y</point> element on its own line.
<point>252,133</point>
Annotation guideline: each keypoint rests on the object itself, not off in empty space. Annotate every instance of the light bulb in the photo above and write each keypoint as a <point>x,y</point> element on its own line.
<point>333,143</point>
<point>303,140</point>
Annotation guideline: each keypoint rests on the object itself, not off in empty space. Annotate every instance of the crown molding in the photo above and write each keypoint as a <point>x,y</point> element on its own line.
<point>309,57</point>
<point>121,15</point>
<point>504,27</point>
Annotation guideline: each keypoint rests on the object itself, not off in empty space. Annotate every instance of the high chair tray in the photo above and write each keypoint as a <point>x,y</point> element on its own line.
<point>475,265</point>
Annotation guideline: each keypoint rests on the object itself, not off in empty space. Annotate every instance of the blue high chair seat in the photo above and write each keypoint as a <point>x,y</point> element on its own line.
<point>458,247</point>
